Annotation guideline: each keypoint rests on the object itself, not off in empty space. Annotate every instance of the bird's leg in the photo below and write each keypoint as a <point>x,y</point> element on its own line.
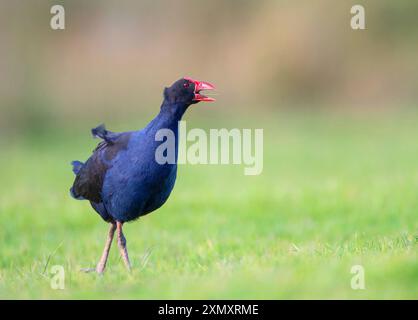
<point>102,262</point>
<point>122,245</point>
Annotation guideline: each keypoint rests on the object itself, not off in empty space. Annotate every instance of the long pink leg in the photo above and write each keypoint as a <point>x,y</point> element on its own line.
<point>122,245</point>
<point>102,262</point>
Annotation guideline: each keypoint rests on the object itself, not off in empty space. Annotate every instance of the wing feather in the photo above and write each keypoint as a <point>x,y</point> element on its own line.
<point>90,177</point>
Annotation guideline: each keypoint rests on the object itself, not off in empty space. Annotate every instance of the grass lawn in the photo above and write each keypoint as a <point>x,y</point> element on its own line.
<point>336,191</point>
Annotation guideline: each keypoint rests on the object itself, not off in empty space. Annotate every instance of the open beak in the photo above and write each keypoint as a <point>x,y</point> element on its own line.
<point>200,86</point>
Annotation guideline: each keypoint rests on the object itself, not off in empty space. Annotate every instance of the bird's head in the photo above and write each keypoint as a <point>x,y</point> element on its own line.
<point>187,91</point>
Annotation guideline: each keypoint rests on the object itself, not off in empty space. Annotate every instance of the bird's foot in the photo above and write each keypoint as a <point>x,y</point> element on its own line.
<point>91,270</point>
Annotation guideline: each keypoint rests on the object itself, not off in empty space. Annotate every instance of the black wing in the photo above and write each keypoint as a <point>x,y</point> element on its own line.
<point>90,176</point>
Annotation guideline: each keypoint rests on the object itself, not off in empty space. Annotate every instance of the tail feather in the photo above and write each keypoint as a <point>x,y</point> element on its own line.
<point>77,165</point>
<point>74,195</point>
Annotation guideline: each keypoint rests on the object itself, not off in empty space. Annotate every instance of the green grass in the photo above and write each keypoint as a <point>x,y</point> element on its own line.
<point>336,191</point>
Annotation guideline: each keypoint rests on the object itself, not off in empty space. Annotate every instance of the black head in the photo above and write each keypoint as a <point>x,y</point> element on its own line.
<point>187,91</point>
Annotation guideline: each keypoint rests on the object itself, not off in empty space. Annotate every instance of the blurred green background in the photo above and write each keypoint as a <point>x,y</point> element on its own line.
<point>339,113</point>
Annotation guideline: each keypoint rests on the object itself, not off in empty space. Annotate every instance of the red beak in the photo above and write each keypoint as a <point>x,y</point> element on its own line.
<point>199,86</point>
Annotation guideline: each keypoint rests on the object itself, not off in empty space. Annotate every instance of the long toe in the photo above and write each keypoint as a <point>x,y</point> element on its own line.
<point>88,270</point>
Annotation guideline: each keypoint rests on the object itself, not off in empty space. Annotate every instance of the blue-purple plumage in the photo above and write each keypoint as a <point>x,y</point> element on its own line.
<point>122,179</point>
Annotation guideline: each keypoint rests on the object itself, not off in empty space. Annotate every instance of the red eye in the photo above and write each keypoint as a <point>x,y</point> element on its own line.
<point>186,84</point>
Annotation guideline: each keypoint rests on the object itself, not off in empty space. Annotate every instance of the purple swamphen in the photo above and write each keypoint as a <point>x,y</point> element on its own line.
<point>122,179</point>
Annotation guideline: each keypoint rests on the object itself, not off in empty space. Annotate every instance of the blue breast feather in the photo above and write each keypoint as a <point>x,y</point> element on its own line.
<point>122,179</point>
<point>135,184</point>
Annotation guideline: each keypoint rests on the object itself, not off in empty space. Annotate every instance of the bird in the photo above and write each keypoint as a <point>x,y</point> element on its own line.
<point>122,179</point>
